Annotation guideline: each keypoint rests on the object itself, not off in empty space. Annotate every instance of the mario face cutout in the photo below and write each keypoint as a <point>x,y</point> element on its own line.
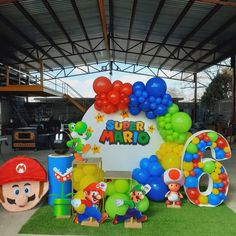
<point>23,183</point>
<point>21,196</point>
<point>93,196</point>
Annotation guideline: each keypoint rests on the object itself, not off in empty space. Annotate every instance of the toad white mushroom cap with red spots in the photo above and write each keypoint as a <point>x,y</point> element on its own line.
<point>174,175</point>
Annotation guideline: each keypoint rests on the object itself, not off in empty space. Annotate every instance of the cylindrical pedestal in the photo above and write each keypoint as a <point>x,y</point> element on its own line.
<point>57,189</point>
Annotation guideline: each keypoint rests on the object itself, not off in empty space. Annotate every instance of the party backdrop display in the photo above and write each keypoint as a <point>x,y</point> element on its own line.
<point>121,139</point>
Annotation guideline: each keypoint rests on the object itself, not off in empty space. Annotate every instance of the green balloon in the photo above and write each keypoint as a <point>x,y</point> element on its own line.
<point>181,139</point>
<point>169,138</point>
<point>143,205</point>
<point>181,122</point>
<point>122,185</point>
<point>209,167</point>
<point>173,109</point>
<point>161,124</point>
<point>192,148</point>
<point>110,189</point>
<point>213,136</point>
<point>112,209</point>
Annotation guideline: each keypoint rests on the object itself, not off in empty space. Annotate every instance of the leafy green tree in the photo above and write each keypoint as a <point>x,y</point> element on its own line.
<point>219,89</point>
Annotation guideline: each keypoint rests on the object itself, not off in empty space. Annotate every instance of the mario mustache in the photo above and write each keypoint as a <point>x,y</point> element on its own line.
<point>12,201</point>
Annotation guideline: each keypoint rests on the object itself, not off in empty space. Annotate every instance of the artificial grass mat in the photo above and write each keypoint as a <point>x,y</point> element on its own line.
<point>189,220</point>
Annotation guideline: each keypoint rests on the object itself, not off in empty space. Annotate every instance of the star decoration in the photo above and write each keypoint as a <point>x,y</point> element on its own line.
<point>99,118</point>
<point>96,149</point>
<point>124,114</point>
<point>90,129</point>
<point>151,128</point>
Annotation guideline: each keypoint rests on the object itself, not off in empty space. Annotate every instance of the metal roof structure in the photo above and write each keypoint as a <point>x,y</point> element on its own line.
<point>186,36</point>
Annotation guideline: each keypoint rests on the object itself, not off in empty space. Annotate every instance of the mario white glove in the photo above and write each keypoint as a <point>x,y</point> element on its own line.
<point>119,202</point>
<point>76,203</point>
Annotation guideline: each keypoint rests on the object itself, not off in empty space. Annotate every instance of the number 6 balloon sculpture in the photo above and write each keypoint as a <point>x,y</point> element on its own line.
<point>195,166</point>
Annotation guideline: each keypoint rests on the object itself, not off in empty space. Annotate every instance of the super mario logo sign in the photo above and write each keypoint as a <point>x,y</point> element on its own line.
<point>120,138</point>
<point>125,132</point>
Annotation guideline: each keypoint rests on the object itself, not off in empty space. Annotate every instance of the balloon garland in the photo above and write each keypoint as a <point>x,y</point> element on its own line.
<point>173,127</point>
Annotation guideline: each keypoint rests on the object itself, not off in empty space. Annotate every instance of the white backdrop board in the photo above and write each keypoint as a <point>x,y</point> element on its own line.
<point>121,139</point>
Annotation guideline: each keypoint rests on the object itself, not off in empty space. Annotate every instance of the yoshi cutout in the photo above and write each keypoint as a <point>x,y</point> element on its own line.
<point>79,134</point>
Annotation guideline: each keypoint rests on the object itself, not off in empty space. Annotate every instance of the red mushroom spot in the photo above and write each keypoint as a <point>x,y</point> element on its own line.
<point>174,174</point>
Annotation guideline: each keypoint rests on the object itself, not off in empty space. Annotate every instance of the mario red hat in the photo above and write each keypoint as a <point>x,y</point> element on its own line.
<point>100,187</point>
<point>21,168</point>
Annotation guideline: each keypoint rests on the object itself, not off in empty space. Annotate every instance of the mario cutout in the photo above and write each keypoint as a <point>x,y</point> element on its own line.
<point>174,179</point>
<point>137,193</point>
<point>23,183</point>
<point>93,194</point>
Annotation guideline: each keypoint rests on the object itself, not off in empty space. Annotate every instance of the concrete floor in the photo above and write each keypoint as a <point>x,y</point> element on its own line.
<point>10,223</point>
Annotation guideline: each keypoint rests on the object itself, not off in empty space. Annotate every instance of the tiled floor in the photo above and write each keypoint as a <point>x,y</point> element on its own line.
<point>10,223</point>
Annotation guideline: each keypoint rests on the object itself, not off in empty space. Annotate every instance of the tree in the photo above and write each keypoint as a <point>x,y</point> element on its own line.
<point>219,89</point>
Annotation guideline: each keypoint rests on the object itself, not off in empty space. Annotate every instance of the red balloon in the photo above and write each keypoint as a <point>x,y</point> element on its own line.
<point>222,190</point>
<point>193,193</point>
<point>225,183</point>
<point>223,176</point>
<point>197,202</point>
<point>200,154</point>
<point>200,136</point>
<point>126,88</point>
<point>117,85</point>
<point>126,100</point>
<point>99,102</point>
<point>98,96</point>
<point>221,143</point>
<point>113,97</point>
<point>109,108</point>
<point>97,106</point>
<point>122,106</point>
<point>227,154</point>
<point>207,139</point>
<point>103,96</point>
<point>102,85</point>
<point>105,102</point>
<point>192,173</point>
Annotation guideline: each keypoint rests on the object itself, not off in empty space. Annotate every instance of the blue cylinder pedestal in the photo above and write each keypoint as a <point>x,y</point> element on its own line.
<point>58,174</point>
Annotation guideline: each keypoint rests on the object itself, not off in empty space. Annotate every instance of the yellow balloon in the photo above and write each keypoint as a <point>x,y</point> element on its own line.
<point>215,191</point>
<point>77,174</point>
<point>200,164</point>
<point>218,170</point>
<point>86,180</point>
<point>214,145</point>
<point>171,162</point>
<point>227,149</point>
<point>90,169</point>
<point>218,164</point>
<point>195,140</point>
<point>203,199</point>
<point>81,208</point>
<point>215,177</point>
<point>188,166</point>
<point>186,173</point>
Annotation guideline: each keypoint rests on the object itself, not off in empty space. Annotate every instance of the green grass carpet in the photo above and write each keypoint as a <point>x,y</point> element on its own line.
<point>190,220</point>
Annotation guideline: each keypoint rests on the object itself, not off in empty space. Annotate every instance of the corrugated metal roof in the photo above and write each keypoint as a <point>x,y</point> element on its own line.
<point>167,41</point>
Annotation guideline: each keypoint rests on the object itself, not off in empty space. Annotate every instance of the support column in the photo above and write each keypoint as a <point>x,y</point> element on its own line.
<point>195,98</point>
<point>233,65</point>
<point>41,72</point>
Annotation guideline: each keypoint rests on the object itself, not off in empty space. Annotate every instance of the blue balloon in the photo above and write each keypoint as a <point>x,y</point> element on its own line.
<point>209,144</point>
<point>215,185</point>
<point>220,185</point>
<point>188,157</point>
<point>151,99</point>
<point>156,169</point>
<point>221,195</point>
<point>153,158</point>
<point>214,199</point>
<point>161,110</point>
<point>138,86</point>
<point>134,110</point>
<point>156,87</point>
<point>141,176</point>
<point>170,102</point>
<point>220,154</point>
<point>191,182</point>
<point>150,115</point>
<point>145,106</point>
<point>167,96</point>
<point>138,93</point>
<point>134,172</point>
<point>222,169</point>
<point>144,94</point>
<point>133,100</point>
<point>216,149</point>
<point>158,189</point>
<point>153,106</point>
<point>197,171</point>
<point>195,156</point>
<point>141,99</point>
<point>158,100</point>
<point>145,164</point>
